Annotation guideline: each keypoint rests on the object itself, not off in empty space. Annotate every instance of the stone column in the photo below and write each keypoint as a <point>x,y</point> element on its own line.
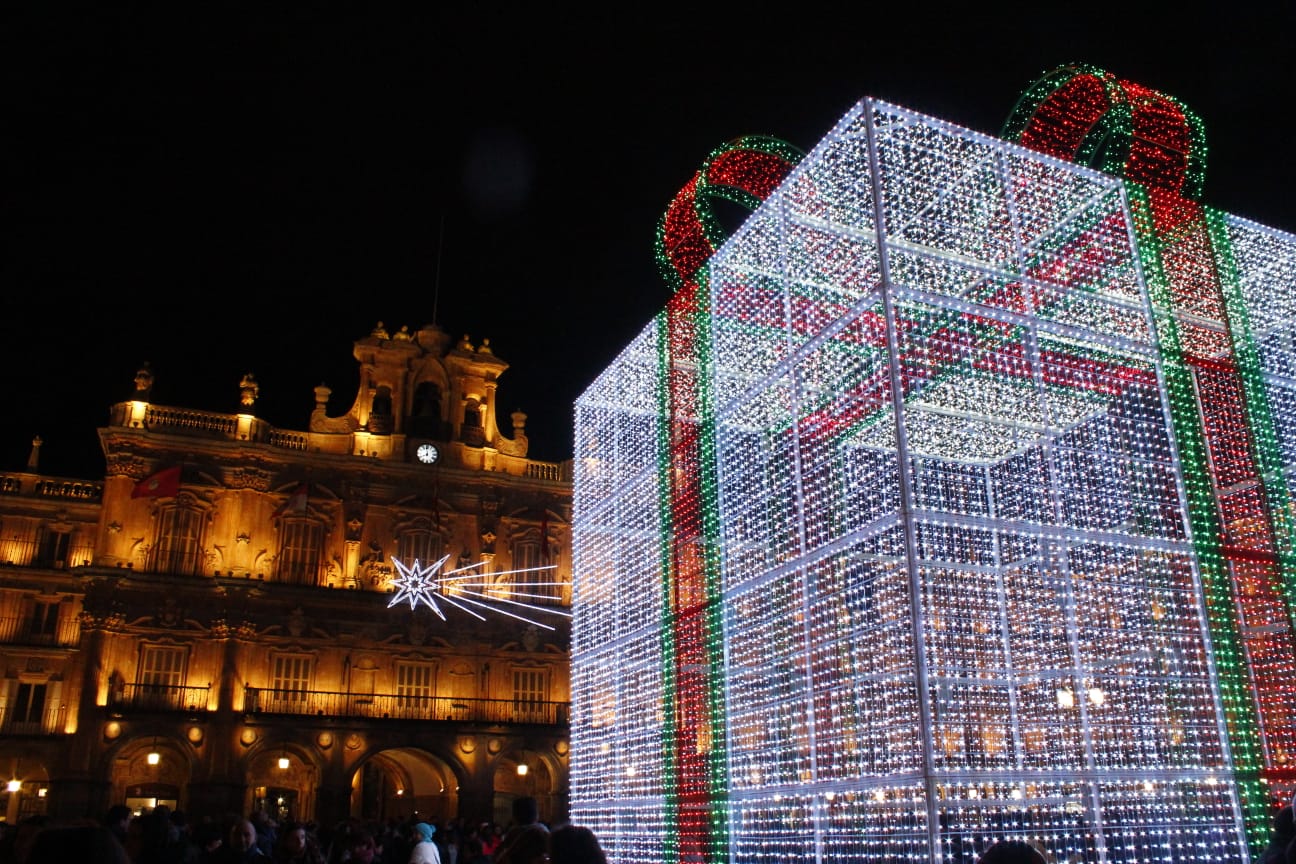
<point>333,795</point>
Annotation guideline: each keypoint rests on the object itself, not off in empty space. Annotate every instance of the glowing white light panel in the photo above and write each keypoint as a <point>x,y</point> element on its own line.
<point>1266,269</point>
<point>960,599</point>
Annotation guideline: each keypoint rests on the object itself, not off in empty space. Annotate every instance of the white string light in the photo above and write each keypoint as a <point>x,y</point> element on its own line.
<point>980,618</point>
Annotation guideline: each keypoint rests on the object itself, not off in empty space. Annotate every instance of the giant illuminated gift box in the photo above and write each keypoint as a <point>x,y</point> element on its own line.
<point>1222,292</point>
<point>881,547</point>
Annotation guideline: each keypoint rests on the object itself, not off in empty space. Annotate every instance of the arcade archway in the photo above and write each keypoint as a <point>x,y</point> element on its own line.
<point>520,773</point>
<point>404,782</point>
<point>24,784</point>
<point>148,772</point>
<point>282,780</point>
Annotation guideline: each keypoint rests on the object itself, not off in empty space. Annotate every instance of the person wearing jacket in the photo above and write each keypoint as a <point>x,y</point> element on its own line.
<point>424,851</point>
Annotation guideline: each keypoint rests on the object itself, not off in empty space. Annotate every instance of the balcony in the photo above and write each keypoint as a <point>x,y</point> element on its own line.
<point>23,630</point>
<point>159,697</point>
<point>32,721</point>
<point>35,486</point>
<point>316,703</point>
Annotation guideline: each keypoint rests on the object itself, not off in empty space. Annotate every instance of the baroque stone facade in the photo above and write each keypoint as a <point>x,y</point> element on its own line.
<point>211,626</point>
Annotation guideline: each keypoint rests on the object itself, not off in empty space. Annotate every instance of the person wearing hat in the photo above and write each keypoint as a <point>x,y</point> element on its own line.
<point>424,851</point>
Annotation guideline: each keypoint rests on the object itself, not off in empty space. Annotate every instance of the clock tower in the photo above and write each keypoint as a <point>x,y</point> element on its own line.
<point>426,398</point>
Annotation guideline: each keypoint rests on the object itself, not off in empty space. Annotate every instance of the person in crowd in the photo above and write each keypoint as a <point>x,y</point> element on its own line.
<point>393,841</point>
<point>458,831</point>
<point>472,851</point>
<point>160,840</point>
<point>117,820</point>
<point>243,848</point>
<point>575,844</point>
<point>1281,836</point>
<point>1012,852</point>
<point>297,845</point>
<point>19,838</point>
<point>335,840</point>
<point>362,848</point>
<point>187,847</point>
<point>267,831</point>
<point>491,837</point>
<point>425,849</point>
<point>83,844</point>
<point>527,844</point>
<point>209,838</point>
<point>526,815</point>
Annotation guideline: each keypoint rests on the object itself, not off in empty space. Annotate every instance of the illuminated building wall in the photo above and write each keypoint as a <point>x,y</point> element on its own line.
<point>947,588</point>
<point>252,633</point>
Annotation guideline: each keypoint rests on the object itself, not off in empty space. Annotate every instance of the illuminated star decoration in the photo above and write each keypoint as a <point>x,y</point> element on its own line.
<point>469,590</point>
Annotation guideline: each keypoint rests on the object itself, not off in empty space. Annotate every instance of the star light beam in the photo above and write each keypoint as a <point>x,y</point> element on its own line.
<point>419,584</point>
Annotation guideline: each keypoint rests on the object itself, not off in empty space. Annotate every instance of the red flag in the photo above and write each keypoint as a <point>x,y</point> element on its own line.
<point>296,502</point>
<point>164,483</point>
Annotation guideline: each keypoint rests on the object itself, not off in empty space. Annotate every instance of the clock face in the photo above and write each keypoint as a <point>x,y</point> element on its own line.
<point>427,453</point>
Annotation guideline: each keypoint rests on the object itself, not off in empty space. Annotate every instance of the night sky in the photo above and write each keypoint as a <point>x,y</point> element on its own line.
<point>222,188</point>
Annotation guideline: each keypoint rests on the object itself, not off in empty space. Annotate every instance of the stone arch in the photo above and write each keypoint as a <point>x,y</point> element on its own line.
<point>29,768</point>
<point>428,397</point>
<point>402,782</point>
<point>283,778</point>
<point>142,783</point>
<point>541,781</point>
<point>381,421</point>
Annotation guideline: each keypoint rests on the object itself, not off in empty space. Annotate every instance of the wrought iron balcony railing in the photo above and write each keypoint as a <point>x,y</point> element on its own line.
<point>318,703</point>
<point>22,630</point>
<point>33,721</point>
<point>159,697</point>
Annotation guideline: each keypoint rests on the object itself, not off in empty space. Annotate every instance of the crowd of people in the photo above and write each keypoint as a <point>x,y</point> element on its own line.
<point>164,836</point>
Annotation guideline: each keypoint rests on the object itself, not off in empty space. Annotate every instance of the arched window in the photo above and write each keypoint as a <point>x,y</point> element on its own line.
<point>178,546</point>
<point>425,418</point>
<point>380,415</point>
<point>301,549</point>
<point>472,432</point>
